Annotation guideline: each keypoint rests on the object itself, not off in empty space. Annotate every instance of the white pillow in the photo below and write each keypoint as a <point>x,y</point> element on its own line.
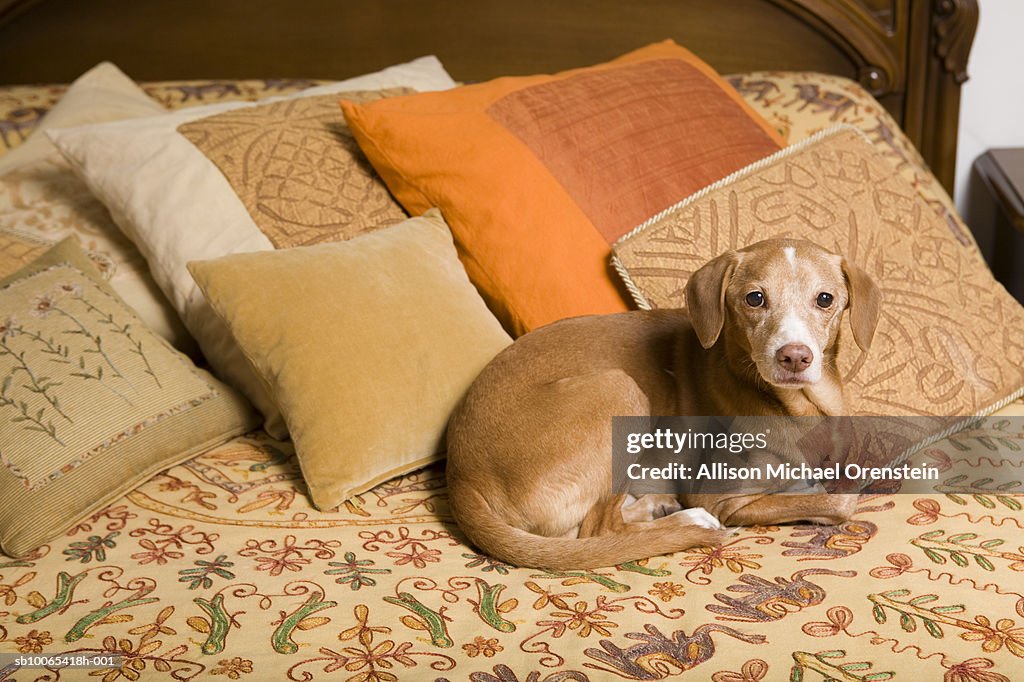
<point>42,201</point>
<point>177,206</point>
<point>103,93</point>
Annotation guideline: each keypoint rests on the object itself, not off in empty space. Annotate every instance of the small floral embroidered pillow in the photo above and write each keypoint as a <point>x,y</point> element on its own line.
<point>91,401</point>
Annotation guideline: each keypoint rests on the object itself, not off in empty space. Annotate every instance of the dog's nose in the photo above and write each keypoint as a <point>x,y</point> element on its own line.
<point>795,357</point>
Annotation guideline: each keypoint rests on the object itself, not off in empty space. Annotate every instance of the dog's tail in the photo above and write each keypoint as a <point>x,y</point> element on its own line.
<point>488,531</point>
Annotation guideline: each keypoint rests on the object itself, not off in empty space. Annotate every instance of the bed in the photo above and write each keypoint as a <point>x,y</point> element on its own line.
<point>221,566</point>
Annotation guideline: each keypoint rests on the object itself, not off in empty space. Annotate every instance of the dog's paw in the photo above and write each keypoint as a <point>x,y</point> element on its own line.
<point>698,516</point>
<point>846,505</point>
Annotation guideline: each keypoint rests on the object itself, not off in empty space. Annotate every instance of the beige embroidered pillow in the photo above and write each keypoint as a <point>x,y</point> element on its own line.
<point>91,402</point>
<point>297,169</point>
<point>950,340</point>
<point>800,104</point>
<point>18,250</point>
<point>170,185</point>
<point>366,345</point>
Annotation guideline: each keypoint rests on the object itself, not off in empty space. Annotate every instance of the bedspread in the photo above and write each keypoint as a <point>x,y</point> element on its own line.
<point>221,567</point>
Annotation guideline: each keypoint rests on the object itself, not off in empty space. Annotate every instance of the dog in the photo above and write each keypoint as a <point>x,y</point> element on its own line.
<point>529,447</point>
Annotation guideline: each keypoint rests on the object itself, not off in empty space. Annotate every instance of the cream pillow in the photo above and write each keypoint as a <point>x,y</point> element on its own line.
<point>103,93</point>
<point>91,402</point>
<point>177,206</point>
<point>42,201</point>
<point>366,345</point>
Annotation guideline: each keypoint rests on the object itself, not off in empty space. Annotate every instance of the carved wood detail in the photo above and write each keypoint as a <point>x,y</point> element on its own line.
<point>910,54</point>
<point>913,52</point>
<point>872,33</point>
<point>955,24</point>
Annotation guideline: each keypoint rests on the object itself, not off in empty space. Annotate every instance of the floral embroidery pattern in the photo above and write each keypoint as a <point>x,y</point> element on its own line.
<point>70,351</point>
<point>190,576</point>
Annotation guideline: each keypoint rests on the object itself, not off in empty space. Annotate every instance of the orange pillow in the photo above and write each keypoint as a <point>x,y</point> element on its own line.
<point>538,175</point>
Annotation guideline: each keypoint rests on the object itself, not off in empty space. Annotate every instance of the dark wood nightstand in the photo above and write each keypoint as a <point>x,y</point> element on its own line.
<point>1002,174</point>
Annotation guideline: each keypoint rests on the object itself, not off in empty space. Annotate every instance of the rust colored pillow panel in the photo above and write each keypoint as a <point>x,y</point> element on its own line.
<point>950,340</point>
<point>538,175</point>
<point>297,169</point>
<point>623,151</point>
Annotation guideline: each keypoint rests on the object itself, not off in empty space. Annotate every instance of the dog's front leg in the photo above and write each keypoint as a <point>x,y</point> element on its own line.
<point>770,509</point>
<point>617,513</point>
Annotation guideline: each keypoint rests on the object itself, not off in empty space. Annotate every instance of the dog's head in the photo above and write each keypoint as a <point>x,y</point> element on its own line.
<point>782,300</point>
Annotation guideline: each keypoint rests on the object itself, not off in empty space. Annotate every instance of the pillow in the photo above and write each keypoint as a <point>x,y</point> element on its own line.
<point>802,103</point>
<point>22,107</point>
<point>91,401</point>
<point>296,169</point>
<point>19,250</point>
<point>16,251</point>
<point>366,345</point>
<point>103,93</point>
<point>176,204</point>
<point>41,199</point>
<point>539,175</point>
<point>949,341</point>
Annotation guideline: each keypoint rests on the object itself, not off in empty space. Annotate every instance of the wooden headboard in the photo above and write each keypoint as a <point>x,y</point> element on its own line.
<point>911,54</point>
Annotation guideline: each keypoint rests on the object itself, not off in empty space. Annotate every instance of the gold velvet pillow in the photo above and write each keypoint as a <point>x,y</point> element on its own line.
<point>91,401</point>
<point>365,345</point>
<point>950,340</point>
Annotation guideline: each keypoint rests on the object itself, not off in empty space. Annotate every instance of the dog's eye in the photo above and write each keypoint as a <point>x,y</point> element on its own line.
<point>824,300</point>
<point>755,299</point>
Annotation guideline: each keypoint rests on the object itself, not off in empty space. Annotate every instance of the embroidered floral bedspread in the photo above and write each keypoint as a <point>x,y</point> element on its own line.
<point>219,567</point>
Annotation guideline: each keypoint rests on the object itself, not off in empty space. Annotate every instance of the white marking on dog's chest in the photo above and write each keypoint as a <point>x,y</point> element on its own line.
<point>790,256</point>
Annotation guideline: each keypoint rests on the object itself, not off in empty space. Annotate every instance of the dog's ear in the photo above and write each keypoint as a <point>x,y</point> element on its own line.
<point>705,297</point>
<point>865,303</point>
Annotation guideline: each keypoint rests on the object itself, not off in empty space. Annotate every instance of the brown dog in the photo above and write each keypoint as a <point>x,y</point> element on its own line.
<point>529,449</point>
